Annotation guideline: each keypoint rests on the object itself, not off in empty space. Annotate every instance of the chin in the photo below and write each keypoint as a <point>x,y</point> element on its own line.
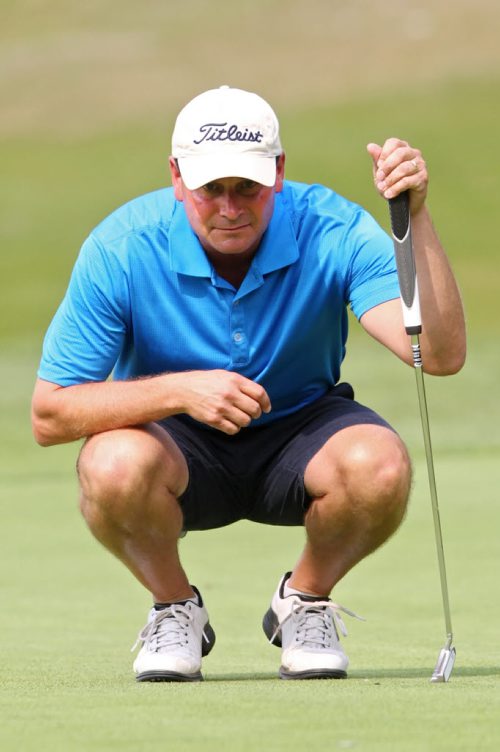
<point>235,245</point>
<point>233,250</point>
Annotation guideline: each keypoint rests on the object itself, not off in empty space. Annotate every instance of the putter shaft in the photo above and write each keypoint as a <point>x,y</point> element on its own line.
<point>403,248</point>
<point>422,400</point>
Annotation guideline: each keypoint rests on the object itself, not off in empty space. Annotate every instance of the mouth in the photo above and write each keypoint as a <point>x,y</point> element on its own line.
<point>232,228</point>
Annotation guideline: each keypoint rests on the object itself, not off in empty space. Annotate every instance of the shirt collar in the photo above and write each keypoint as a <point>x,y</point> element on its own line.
<point>278,247</point>
<point>186,253</point>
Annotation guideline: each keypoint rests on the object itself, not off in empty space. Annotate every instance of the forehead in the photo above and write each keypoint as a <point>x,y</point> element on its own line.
<point>231,182</point>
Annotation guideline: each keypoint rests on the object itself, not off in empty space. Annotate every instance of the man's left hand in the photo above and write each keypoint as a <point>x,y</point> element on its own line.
<point>398,167</point>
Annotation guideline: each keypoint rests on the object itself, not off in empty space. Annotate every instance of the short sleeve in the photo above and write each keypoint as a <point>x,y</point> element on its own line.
<point>372,275</point>
<point>87,332</point>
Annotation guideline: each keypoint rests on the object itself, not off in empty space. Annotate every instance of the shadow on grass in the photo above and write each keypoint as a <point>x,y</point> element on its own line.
<point>241,677</point>
<point>423,673</point>
<point>371,674</point>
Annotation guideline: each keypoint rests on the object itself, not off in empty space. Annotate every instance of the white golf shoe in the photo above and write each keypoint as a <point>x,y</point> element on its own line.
<point>306,628</point>
<point>173,642</point>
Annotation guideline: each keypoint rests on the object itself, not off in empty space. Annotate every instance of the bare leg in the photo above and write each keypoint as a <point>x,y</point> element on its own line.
<point>360,482</point>
<point>130,480</point>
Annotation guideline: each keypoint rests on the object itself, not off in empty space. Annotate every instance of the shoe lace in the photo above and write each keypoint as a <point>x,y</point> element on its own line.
<point>316,622</point>
<point>168,627</point>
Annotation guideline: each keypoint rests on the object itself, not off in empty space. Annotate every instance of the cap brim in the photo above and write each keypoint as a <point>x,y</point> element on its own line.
<point>199,170</point>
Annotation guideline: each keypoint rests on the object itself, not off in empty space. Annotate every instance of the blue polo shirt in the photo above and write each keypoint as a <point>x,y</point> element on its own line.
<point>144,299</point>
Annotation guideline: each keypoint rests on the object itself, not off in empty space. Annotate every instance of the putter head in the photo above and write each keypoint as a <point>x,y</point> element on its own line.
<point>444,665</point>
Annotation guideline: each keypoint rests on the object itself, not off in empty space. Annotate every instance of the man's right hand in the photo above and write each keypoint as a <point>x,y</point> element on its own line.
<point>222,399</point>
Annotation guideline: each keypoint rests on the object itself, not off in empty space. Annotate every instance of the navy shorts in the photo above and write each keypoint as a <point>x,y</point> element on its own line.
<point>258,473</point>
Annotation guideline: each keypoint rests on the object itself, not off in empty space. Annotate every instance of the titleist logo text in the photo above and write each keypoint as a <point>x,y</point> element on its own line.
<point>223,132</point>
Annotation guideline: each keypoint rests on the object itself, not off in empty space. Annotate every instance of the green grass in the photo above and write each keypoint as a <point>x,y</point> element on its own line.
<point>71,611</point>
<point>80,134</point>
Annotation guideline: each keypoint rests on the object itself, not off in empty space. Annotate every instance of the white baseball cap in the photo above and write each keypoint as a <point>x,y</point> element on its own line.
<point>225,133</point>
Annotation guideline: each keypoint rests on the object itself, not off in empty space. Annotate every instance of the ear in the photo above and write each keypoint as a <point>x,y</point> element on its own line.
<point>280,173</point>
<point>176,179</point>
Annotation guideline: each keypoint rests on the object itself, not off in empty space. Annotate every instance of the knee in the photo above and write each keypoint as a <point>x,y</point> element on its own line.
<point>384,468</point>
<point>117,469</point>
<point>381,472</point>
<point>369,466</point>
<point>108,465</point>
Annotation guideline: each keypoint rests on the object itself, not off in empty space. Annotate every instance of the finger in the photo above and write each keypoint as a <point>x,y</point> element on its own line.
<point>406,169</point>
<point>248,406</point>
<point>227,426</point>
<point>257,393</point>
<point>228,418</point>
<point>241,402</point>
<point>374,150</point>
<point>391,155</point>
<point>393,160</point>
<point>234,420</point>
<point>389,149</point>
<point>404,164</point>
<point>390,160</point>
<point>410,175</point>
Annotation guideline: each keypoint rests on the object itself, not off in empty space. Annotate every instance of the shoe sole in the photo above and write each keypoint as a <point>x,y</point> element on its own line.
<point>320,673</point>
<point>168,676</point>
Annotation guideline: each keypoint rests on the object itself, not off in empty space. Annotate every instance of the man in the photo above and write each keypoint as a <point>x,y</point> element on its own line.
<point>220,306</point>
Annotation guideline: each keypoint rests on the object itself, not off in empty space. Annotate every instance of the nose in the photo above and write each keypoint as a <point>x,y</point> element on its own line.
<point>229,206</point>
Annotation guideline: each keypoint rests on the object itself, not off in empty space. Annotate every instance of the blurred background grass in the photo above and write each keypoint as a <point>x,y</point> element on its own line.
<point>89,92</point>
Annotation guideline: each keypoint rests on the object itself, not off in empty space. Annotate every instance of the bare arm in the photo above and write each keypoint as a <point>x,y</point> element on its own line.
<point>221,399</point>
<point>398,167</point>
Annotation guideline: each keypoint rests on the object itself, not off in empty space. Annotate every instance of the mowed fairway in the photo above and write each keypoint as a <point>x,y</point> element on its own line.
<point>70,613</point>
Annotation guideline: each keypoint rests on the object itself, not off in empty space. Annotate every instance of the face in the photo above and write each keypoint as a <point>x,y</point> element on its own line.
<point>229,215</point>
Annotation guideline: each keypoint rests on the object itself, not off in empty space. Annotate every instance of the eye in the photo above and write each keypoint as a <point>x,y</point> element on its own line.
<point>212,189</point>
<point>248,187</point>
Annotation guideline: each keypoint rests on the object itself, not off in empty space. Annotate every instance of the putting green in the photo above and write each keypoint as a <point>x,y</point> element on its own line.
<point>71,613</point>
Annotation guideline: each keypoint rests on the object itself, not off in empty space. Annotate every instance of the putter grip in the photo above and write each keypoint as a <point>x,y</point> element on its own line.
<point>399,209</point>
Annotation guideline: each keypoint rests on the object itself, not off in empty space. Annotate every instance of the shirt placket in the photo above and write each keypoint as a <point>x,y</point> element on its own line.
<point>239,344</point>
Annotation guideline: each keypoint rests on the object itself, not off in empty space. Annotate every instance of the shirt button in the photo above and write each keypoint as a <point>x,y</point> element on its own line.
<point>237,336</point>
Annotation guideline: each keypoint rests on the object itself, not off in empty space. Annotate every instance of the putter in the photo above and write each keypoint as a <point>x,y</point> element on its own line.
<point>407,275</point>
